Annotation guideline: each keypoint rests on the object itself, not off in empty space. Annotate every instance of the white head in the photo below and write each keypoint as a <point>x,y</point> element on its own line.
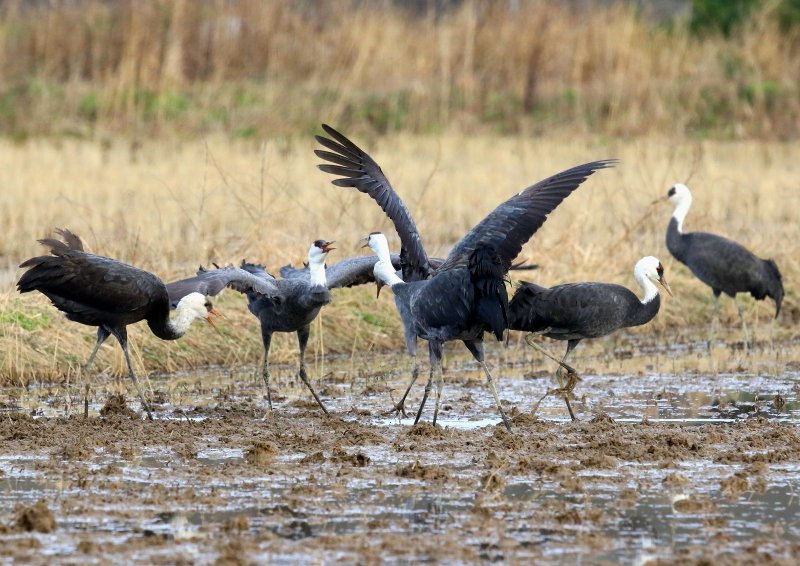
<point>380,245</point>
<point>649,271</point>
<point>679,193</point>
<point>383,270</point>
<point>192,307</point>
<point>681,197</point>
<point>319,251</point>
<point>316,261</point>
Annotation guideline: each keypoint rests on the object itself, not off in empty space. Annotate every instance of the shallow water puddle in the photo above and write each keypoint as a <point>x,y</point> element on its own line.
<point>697,463</point>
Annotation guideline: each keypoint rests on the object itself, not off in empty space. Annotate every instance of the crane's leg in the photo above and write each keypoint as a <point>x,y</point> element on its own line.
<point>266,338</point>
<point>744,323</point>
<point>715,324</point>
<point>302,339</point>
<point>435,353</point>
<point>430,381</point>
<point>102,334</point>
<point>411,348</point>
<point>121,334</point>
<point>570,381</point>
<point>534,345</point>
<point>476,348</point>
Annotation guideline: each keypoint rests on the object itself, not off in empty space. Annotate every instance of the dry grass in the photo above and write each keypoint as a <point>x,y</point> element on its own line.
<point>92,67</point>
<point>169,207</point>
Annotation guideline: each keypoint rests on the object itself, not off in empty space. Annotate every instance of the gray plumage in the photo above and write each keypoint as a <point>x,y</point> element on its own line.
<point>722,264</point>
<point>577,311</point>
<point>103,292</point>
<point>346,273</point>
<point>211,282</point>
<point>293,302</point>
<point>466,295</point>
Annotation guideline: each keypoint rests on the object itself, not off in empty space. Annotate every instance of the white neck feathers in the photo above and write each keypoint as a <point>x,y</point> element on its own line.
<point>316,270</point>
<point>384,272</point>
<point>649,288</point>
<point>181,319</point>
<point>682,209</point>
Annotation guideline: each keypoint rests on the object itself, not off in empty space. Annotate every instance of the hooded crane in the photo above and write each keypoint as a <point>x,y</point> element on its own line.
<point>576,311</point>
<point>466,295</point>
<point>722,264</point>
<point>295,300</point>
<point>106,293</point>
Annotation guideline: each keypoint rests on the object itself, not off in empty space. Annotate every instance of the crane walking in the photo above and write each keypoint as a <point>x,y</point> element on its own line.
<point>577,311</point>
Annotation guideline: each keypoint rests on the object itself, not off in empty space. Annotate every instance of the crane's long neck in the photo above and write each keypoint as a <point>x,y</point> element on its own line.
<point>650,302</point>
<point>316,270</point>
<point>172,328</point>
<point>681,210</point>
<point>648,288</point>
<point>385,273</point>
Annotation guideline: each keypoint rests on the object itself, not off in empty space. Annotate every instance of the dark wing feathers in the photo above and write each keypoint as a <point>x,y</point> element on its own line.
<point>104,283</point>
<point>358,170</point>
<point>510,225</point>
<point>573,309</point>
<point>212,281</point>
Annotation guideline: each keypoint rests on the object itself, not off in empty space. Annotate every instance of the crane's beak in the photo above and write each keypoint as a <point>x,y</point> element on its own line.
<point>212,311</point>
<point>326,247</point>
<point>379,284</point>
<point>365,239</point>
<point>660,200</point>
<point>665,285</point>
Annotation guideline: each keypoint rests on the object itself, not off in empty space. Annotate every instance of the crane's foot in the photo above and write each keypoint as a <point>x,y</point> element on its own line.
<point>398,409</point>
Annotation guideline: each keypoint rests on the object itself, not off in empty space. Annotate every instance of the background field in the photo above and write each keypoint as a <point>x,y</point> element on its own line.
<point>179,204</point>
<point>174,133</point>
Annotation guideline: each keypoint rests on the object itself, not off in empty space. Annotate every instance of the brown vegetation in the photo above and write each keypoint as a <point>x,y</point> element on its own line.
<point>175,206</point>
<point>251,68</point>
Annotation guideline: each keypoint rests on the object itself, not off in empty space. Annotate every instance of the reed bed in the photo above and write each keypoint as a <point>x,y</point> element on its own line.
<point>170,206</point>
<point>92,68</point>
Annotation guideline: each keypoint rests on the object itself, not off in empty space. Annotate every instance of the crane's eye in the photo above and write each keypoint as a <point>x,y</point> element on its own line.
<point>671,192</point>
<point>660,269</point>
<point>208,305</point>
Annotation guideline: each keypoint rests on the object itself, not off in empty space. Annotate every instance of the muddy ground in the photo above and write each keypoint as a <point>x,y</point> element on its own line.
<point>671,462</point>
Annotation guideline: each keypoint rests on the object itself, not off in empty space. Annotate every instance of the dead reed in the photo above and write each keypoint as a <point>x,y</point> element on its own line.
<point>250,68</point>
<point>169,206</point>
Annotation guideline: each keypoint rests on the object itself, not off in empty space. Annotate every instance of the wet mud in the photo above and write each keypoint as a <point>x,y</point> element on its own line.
<point>662,467</point>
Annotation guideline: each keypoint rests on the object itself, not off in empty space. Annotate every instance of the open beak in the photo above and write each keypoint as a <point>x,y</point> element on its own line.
<point>215,312</point>
<point>365,239</point>
<point>379,284</point>
<point>326,247</point>
<point>665,285</point>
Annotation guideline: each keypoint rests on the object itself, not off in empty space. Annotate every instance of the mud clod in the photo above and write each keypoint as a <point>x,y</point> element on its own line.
<point>115,406</point>
<point>37,517</point>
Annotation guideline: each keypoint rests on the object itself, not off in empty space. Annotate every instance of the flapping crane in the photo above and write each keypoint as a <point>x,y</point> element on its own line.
<point>466,295</point>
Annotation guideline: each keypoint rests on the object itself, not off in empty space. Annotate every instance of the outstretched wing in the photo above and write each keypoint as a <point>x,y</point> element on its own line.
<point>358,170</point>
<point>510,225</point>
<point>346,273</point>
<point>212,281</point>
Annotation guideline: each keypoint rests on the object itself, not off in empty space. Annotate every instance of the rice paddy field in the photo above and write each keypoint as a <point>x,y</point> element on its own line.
<point>150,135</point>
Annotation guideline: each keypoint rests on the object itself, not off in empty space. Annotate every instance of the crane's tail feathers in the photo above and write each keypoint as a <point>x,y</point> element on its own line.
<point>491,298</point>
<point>775,284</point>
<point>71,242</point>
